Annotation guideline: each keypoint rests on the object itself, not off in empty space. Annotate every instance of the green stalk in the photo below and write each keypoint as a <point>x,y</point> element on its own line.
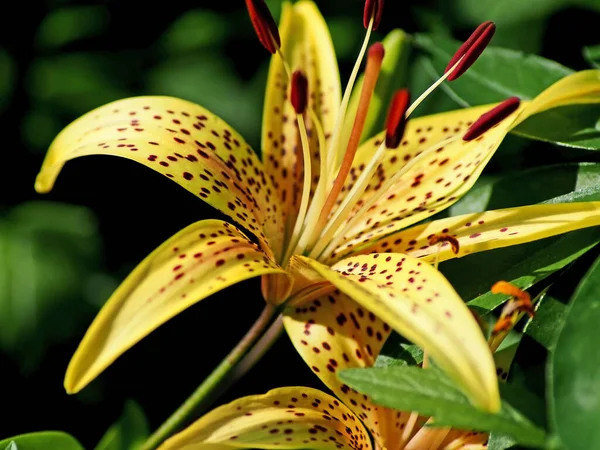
<point>218,381</point>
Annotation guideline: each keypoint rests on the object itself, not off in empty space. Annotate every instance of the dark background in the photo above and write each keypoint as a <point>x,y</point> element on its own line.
<point>62,254</point>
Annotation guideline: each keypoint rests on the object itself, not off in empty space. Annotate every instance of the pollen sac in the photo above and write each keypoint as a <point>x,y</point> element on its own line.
<point>264,25</point>
<point>454,244</point>
<point>491,118</point>
<point>522,299</point>
<point>373,10</point>
<point>471,49</point>
<point>396,118</point>
<point>299,94</point>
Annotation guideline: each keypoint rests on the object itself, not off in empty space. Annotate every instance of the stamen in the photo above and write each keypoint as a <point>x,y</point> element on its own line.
<point>396,119</point>
<point>374,11</point>
<point>396,122</point>
<point>523,299</point>
<point>299,99</point>
<point>445,238</point>
<point>513,310</point>
<point>464,58</point>
<point>438,239</point>
<point>264,25</point>
<point>375,58</point>
<point>491,118</point>
<point>468,53</point>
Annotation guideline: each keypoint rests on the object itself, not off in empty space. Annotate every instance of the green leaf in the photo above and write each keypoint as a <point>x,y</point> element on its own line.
<point>49,263</point>
<point>129,432</point>
<point>430,393</point>
<point>526,264</point>
<point>12,446</point>
<point>575,126</point>
<point>392,76</point>
<point>546,324</point>
<point>592,55</point>
<point>497,74</point>
<point>398,351</point>
<point>575,368</point>
<point>43,440</point>
<point>500,441</point>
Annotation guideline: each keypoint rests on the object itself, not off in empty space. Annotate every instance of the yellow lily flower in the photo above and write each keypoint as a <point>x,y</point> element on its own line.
<point>301,417</point>
<point>314,246</point>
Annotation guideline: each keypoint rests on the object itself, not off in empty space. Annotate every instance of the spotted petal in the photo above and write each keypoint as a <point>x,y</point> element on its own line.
<point>445,172</point>
<point>307,45</point>
<point>491,229</point>
<point>436,181</point>
<point>294,417</point>
<point>198,261</point>
<point>418,302</point>
<point>184,142</point>
<point>332,332</point>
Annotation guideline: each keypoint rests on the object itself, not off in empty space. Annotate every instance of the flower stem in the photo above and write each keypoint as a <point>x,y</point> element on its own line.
<point>218,381</point>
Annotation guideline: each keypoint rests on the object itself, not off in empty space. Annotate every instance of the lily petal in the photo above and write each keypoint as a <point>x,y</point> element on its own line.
<point>432,184</point>
<point>184,142</point>
<point>443,176</point>
<point>293,417</point>
<point>307,45</point>
<point>333,332</point>
<point>198,261</point>
<point>418,302</point>
<point>491,229</point>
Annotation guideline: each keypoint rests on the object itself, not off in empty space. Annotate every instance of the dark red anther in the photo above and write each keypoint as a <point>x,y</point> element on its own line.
<point>471,49</point>
<point>491,118</point>
<point>454,244</point>
<point>373,10</point>
<point>299,94</point>
<point>264,25</point>
<point>396,118</point>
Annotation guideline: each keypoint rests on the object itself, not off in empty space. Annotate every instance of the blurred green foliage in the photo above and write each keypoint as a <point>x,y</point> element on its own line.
<point>50,277</point>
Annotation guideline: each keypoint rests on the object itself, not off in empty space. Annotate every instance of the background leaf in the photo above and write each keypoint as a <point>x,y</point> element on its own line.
<point>498,73</point>
<point>592,55</point>
<point>572,126</point>
<point>48,257</point>
<point>430,393</point>
<point>43,440</point>
<point>575,368</point>
<point>129,432</point>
